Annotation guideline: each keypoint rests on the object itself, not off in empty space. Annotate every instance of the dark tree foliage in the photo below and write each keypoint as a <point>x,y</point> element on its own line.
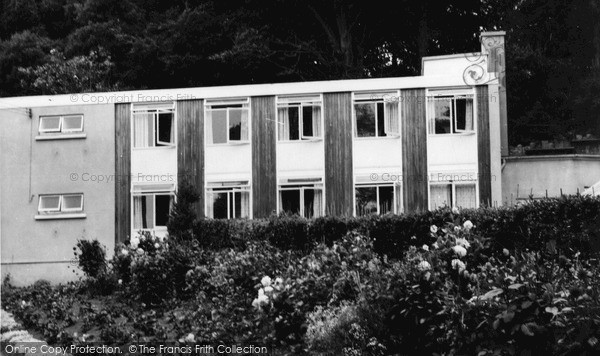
<point>552,47</point>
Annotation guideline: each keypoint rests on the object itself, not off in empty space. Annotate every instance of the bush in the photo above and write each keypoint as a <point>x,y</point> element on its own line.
<point>91,257</point>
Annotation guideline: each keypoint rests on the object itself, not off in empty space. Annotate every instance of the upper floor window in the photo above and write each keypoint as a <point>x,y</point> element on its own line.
<point>452,194</point>
<point>376,115</point>
<point>227,121</point>
<point>61,124</point>
<point>449,113</point>
<point>303,197</point>
<point>228,200</point>
<point>152,204</point>
<point>154,125</point>
<point>60,203</point>
<point>299,118</point>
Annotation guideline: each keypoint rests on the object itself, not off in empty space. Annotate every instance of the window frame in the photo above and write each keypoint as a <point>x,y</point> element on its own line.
<point>230,188</point>
<point>375,98</point>
<point>453,95</point>
<point>60,209</point>
<point>60,130</point>
<point>155,109</point>
<point>396,190</point>
<point>300,102</point>
<point>227,105</point>
<point>453,184</point>
<point>301,185</point>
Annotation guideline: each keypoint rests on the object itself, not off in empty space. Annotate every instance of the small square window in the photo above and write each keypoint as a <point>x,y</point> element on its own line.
<point>49,203</point>
<point>374,117</point>
<point>50,124</point>
<point>227,122</point>
<point>61,124</point>
<point>299,118</point>
<point>60,203</point>
<point>72,123</point>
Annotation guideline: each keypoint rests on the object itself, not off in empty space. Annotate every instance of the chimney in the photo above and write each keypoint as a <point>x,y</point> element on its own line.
<point>492,45</point>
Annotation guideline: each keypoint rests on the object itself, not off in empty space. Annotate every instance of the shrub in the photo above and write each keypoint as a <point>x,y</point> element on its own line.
<point>183,214</point>
<point>91,257</point>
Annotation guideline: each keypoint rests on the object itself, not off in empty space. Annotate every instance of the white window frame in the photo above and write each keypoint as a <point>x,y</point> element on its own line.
<point>452,95</point>
<point>454,184</point>
<point>396,190</point>
<point>229,105</point>
<point>300,102</point>
<point>375,98</point>
<point>155,109</point>
<point>59,209</point>
<point>229,188</point>
<point>60,128</point>
<point>301,185</point>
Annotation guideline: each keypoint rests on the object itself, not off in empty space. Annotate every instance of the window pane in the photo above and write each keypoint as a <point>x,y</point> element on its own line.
<point>366,201</point>
<point>220,205</point>
<point>72,202</point>
<point>72,123</point>
<point>165,133</point>
<point>219,126</point>
<point>50,124</point>
<point>440,195</point>
<point>442,116</point>
<point>309,203</point>
<point>163,206</point>
<point>290,201</point>
<point>460,114</point>
<point>386,200</point>
<point>365,119</point>
<point>235,124</point>
<point>465,196</point>
<point>49,202</point>
<point>380,120</point>
<point>307,121</point>
<point>147,211</point>
<point>294,123</point>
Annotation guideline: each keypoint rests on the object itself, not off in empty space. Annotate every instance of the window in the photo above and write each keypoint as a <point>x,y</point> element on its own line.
<point>228,200</point>
<point>154,125</point>
<point>299,118</point>
<point>376,117</point>
<point>62,124</point>
<point>227,121</point>
<point>450,114</point>
<point>60,203</point>
<point>451,194</point>
<point>303,197</point>
<point>377,199</point>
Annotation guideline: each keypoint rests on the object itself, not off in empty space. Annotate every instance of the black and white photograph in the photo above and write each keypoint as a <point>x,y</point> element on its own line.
<point>300,177</point>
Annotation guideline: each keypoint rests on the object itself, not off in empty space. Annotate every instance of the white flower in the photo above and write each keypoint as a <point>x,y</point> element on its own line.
<point>463,242</point>
<point>120,281</point>
<point>423,266</point>
<point>268,289</point>
<point>142,237</point>
<point>427,276</point>
<point>456,228</point>
<point>140,251</point>
<point>460,251</point>
<point>278,280</point>
<point>433,229</point>
<point>266,281</point>
<point>261,292</point>
<point>156,245</point>
<point>468,225</point>
<point>125,252</point>
<point>134,242</point>
<point>435,245</point>
<point>455,210</point>
<point>425,247</point>
<point>505,252</point>
<point>458,264</point>
<point>190,338</point>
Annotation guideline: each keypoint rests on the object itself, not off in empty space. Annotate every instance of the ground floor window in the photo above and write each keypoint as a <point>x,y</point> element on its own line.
<point>301,197</point>
<point>463,195</point>
<point>228,200</point>
<point>377,199</point>
<point>151,211</point>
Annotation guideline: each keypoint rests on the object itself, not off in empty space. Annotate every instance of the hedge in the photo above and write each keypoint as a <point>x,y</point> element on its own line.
<point>564,225</point>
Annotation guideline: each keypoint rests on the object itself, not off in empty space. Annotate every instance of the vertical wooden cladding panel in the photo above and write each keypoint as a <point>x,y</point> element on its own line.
<point>122,171</point>
<point>414,150</point>
<point>264,146</point>
<point>339,190</point>
<point>190,147</point>
<point>483,145</point>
